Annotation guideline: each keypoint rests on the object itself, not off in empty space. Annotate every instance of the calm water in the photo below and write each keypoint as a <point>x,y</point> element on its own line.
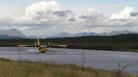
<point>89,58</point>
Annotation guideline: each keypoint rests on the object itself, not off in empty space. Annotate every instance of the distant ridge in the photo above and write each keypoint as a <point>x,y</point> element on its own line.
<point>16,34</point>
<point>65,34</point>
<point>117,32</point>
<point>11,34</point>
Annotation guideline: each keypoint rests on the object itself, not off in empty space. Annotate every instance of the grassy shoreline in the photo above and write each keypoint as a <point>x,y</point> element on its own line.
<point>10,68</point>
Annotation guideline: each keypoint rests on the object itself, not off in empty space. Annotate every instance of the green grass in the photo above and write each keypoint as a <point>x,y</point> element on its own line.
<point>9,68</point>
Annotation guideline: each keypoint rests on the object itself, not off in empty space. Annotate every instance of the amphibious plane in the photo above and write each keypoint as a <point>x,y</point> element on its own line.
<point>43,48</point>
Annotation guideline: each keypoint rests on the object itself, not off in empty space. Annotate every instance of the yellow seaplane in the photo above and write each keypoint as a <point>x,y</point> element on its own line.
<point>44,48</point>
<point>41,48</point>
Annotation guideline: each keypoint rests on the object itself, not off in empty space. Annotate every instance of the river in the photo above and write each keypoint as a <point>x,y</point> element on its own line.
<point>88,58</point>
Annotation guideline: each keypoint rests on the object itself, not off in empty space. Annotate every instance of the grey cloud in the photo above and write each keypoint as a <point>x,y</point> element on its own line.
<point>134,14</point>
<point>62,13</point>
<point>40,13</point>
<point>92,16</point>
<point>87,17</point>
<point>72,19</point>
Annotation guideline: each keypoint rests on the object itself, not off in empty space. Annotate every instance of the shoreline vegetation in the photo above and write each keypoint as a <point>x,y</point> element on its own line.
<point>11,68</point>
<point>123,42</point>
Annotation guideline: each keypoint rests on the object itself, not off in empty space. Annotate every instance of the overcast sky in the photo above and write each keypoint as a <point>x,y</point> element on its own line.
<point>50,17</point>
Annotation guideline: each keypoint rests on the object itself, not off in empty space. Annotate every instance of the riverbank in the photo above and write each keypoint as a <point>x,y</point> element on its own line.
<point>10,68</point>
<point>124,42</point>
<point>87,47</point>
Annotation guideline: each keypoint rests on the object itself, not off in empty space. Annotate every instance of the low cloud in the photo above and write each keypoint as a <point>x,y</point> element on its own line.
<point>124,14</point>
<point>47,18</point>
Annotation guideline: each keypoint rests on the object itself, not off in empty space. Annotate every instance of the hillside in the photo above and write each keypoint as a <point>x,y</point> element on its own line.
<point>125,42</point>
<point>11,34</point>
<point>114,42</point>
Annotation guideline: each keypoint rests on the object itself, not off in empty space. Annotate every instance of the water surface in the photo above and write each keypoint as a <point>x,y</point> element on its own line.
<point>89,58</point>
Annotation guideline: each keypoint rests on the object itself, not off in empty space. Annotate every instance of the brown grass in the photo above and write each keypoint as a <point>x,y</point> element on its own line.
<point>9,68</point>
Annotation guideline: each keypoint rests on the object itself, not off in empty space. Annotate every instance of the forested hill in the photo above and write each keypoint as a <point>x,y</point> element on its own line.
<point>116,42</point>
<point>123,38</point>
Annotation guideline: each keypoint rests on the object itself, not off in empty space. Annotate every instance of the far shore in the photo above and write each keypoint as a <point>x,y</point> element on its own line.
<point>113,50</point>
